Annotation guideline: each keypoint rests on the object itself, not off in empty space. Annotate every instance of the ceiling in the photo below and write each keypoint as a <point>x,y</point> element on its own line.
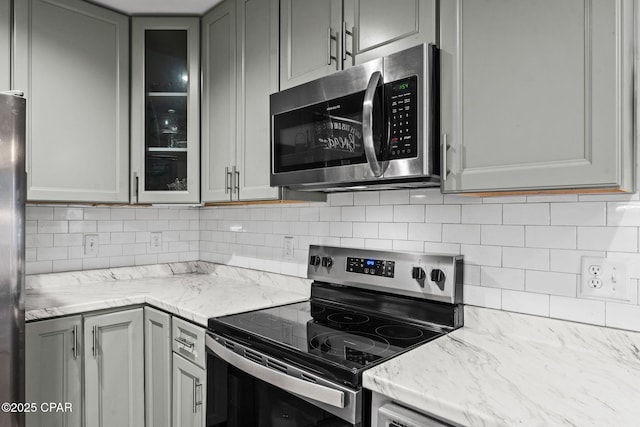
<point>159,7</point>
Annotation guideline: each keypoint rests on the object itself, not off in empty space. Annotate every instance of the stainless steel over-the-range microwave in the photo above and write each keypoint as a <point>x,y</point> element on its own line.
<point>372,126</point>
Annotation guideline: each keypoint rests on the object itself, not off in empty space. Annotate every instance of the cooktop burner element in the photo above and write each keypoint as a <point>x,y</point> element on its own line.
<point>365,308</point>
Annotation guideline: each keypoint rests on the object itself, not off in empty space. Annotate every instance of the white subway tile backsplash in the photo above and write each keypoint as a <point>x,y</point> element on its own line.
<point>481,296</point>
<point>482,214</point>
<point>461,233</point>
<point>426,232</point>
<point>545,282</point>
<point>502,235</point>
<point>505,278</point>
<point>353,213</point>
<point>526,258</point>
<point>526,214</point>
<point>581,213</point>
<point>379,213</point>
<point>408,213</point>
<point>366,230</point>
<point>578,310</point>
<point>553,237</point>
<point>623,316</point>
<point>443,214</point>
<point>616,239</point>
<point>623,214</point>
<point>522,253</point>
<point>393,231</point>
<point>568,261</point>
<point>525,302</point>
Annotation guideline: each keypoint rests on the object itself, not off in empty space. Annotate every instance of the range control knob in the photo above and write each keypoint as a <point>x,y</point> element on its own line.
<point>314,260</point>
<point>437,275</point>
<point>327,261</point>
<point>418,273</point>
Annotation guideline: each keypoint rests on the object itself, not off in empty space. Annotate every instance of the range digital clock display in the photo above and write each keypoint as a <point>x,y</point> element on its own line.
<point>373,267</point>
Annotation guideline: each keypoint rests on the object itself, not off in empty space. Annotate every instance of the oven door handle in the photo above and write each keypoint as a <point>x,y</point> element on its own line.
<point>297,386</point>
<point>367,125</point>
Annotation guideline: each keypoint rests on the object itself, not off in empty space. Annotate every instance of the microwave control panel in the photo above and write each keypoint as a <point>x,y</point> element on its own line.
<point>401,97</point>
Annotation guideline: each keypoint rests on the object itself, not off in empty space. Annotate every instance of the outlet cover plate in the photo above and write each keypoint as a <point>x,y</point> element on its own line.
<point>612,274</point>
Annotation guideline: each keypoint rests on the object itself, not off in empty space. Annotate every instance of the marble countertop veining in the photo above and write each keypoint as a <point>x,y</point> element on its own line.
<point>194,291</point>
<point>508,369</point>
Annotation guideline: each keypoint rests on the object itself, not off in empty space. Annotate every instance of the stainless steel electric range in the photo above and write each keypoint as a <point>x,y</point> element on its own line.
<point>301,364</point>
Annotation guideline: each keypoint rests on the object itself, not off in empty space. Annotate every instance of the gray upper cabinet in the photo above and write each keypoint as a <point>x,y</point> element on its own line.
<point>5,44</point>
<point>114,369</point>
<point>376,28</point>
<point>240,72</point>
<point>71,59</point>
<point>319,38</point>
<point>165,114</point>
<point>537,95</point>
<point>54,370</point>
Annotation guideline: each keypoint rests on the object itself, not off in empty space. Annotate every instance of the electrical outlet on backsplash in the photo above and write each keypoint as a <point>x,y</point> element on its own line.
<point>522,253</point>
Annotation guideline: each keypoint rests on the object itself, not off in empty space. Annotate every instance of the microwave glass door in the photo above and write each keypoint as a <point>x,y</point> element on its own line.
<point>325,134</point>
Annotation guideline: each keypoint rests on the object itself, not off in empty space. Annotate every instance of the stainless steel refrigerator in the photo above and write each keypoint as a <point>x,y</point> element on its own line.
<point>12,230</point>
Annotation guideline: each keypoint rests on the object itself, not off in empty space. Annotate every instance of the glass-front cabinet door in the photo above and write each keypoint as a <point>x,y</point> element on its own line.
<point>165,127</point>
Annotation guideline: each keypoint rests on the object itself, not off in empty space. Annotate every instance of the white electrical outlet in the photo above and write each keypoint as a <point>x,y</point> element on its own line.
<point>287,252</point>
<point>91,244</point>
<point>156,241</point>
<point>604,278</point>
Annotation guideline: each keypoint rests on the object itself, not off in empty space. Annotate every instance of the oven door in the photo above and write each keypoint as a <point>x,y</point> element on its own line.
<point>248,388</point>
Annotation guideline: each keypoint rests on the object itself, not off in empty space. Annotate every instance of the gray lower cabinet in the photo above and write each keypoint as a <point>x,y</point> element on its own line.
<point>71,59</point>
<point>54,370</point>
<point>189,393</point>
<point>157,351</point>
<point>114,369</point>
<point>537,95</point>
<point>319,38</point>
<point>5,44</point>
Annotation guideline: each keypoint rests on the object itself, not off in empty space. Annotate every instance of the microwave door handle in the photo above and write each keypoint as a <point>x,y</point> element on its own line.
<point>367,124</point>
<point>303,388</point>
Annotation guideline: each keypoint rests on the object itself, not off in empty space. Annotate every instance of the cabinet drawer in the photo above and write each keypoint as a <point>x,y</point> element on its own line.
<point>188,341</point>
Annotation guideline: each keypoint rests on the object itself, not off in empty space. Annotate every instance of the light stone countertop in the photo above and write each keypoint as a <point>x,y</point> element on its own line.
<point>195,291</point>
<point>508,369</point>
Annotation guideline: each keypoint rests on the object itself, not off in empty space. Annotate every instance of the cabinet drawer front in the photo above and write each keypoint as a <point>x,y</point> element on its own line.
<point>188,341</point>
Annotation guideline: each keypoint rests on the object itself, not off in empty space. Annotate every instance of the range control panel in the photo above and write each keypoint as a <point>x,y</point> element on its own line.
<point>430,276</point>
<point>371,266</point>
<point>401,98</point>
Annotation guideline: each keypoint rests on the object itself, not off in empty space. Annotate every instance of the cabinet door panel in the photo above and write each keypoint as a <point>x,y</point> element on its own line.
<point>258,62</point>
<point>53,368</point>
<point>384,27</point>
<point>536,94</point>
<point>5,44</point>
<point>157,349</point>
<point>218,101</point>
<point>72,62</point>
<point>114,369</point>
<point>304,40</point>
<point>189,393</point>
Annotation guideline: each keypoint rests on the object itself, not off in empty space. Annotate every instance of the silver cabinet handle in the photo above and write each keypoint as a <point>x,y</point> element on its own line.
<point>94,347</point>
<point>330,57</point>
<point>443,152</point>
<point>367,124</point>
<point>136,184</point>
<point>227,185</point>
<point>185,343</point>
<point>196,401</point>
<point>74,349</point>
<point>236,181</point>
<point>304,388</point>
<point>346,33</point>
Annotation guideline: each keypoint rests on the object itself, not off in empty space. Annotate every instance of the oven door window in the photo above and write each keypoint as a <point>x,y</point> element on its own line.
<point>236,399</point>
<point>324,134</point>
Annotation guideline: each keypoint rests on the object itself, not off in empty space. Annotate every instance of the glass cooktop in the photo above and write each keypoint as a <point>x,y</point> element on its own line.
<point>329,339</point>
